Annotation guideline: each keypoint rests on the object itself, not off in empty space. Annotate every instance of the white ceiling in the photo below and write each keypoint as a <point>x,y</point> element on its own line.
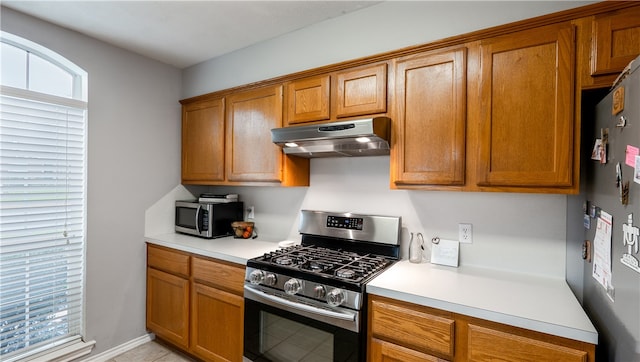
<point>184,33</point>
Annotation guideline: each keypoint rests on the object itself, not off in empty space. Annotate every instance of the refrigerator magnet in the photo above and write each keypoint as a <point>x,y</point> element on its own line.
<point>630,154</point>
<point>630,240</point>
<point>618,101</point>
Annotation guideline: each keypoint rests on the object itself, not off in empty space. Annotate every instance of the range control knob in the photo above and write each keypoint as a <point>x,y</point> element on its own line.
<point>292,286</point>
<point>256,277</point>
<point>336,297</point>
<point>270,279</point>
<point>319,292</point>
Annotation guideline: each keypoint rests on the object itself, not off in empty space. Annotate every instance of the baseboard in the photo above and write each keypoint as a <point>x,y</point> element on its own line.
<point>118,350</point>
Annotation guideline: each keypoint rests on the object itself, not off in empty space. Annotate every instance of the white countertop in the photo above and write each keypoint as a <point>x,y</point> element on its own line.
<point>537,303</point>
<point>227,248</point>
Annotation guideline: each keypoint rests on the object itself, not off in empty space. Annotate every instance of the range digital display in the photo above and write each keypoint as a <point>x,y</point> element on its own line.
<point>339,222</point>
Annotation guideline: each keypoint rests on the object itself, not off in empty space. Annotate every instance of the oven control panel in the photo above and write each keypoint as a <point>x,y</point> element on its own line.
<point>340,222</point>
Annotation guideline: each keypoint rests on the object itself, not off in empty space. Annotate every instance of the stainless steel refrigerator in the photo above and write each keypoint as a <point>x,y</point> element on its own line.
<point>611,294</point>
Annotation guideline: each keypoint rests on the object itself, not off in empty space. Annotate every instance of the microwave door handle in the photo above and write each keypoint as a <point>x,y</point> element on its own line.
<point>198,219</point>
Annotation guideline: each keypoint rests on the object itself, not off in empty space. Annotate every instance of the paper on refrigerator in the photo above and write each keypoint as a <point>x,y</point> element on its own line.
<point>602,251</point>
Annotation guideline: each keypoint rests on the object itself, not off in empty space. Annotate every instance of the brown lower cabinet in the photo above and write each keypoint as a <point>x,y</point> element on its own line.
<point>401,331</point>
<point>195,303</point>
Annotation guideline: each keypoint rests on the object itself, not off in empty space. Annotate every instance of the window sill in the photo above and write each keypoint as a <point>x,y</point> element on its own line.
<point>63,353</point>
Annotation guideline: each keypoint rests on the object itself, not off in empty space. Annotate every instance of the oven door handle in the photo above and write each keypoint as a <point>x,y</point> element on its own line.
<point>303,307</point>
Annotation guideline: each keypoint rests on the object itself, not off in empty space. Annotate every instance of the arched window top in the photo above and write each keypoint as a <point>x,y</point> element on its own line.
<point>27,65</point>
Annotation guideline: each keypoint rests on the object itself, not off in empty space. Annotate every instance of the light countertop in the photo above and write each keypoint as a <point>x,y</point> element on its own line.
<point>227,248</point>
<point>537,303</point>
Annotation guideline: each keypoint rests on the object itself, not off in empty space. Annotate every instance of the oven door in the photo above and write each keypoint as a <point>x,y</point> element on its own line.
<point>278,329</point>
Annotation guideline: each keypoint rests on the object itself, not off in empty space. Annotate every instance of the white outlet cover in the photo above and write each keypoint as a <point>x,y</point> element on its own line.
<point>465,233</point>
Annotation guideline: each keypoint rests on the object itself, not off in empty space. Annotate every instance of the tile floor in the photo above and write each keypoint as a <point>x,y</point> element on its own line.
<point>284,340</point>
<point>151,352</point>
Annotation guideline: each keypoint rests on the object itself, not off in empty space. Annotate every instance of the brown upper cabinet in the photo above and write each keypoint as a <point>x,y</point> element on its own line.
<point>608,42</point>
<point>616,40</point>
<point>350,92</point>
<point>203,141</point>
<point>430,119</point>
<point>231,144</point>
<point>307,99</point>
<point>497,109</point>
<point>251,157</point>
<point>526,114</point>
<point>360,91</point>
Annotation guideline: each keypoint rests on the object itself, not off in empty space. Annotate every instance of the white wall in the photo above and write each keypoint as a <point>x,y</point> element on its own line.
<point>380,28</point>
<point>518,232</point>
<point>133,160</point>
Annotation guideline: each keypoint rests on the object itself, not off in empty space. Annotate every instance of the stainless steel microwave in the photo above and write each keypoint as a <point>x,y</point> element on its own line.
<point>207,220</point>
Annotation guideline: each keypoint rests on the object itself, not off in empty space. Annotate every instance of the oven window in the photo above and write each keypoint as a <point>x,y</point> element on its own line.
<point>282,339</point>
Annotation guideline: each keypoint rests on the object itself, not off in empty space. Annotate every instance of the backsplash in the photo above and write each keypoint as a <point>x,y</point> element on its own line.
<point>523,233</point>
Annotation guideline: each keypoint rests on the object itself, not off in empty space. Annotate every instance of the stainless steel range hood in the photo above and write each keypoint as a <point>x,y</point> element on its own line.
<point>362,137</point>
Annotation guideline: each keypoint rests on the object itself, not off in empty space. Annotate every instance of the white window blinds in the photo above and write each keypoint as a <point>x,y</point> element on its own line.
<point>42,220</point>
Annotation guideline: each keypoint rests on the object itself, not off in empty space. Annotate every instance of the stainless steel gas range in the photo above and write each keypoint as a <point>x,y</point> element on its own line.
<point>307,302</point>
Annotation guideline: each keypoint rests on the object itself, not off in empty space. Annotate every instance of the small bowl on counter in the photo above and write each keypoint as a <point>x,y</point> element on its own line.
<point>244,229</point>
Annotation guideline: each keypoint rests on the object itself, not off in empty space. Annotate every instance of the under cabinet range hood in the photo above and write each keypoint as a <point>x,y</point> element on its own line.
<point>362,137</point>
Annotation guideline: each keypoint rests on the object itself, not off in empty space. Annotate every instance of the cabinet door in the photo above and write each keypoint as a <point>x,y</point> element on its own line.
<point>430,121</point>
<point>308,100</point>
<point>203,141</point>
<point>616,40</point>
<point>251,156</point>
<point>381,351</point>
<point>526,130</point>
<point>361,91</point>
<point>217,329</point>
<point>168,307</point>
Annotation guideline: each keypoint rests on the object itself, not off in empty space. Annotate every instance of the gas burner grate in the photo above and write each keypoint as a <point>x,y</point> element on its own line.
<point>336,263</point>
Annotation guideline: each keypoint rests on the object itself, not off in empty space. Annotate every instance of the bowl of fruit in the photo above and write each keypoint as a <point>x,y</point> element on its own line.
<point>243,229</point>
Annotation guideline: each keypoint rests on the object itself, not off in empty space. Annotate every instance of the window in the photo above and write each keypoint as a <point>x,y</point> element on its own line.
<point>42,200</point>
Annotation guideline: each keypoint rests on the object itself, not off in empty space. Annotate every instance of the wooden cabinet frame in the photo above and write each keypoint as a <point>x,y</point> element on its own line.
<point>403,331</point>
<point>196,303</point>
<point>430,119</point>
<point>615,41</point>
<point>527,131</point>
<point>360,91</point>
<point>490,162</point>
<point>307,100</point>
<point>203,141</point>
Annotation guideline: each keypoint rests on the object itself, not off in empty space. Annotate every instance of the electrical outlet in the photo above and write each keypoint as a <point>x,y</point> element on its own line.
<point>465,233</point>
<point>251,213</point>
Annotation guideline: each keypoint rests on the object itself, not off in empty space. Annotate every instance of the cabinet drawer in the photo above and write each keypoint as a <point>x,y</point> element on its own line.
<point>487,344</point>
<point>414,328</point>
<point>171,261</point>
<point>389,352</point>
<point>219,274</point>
